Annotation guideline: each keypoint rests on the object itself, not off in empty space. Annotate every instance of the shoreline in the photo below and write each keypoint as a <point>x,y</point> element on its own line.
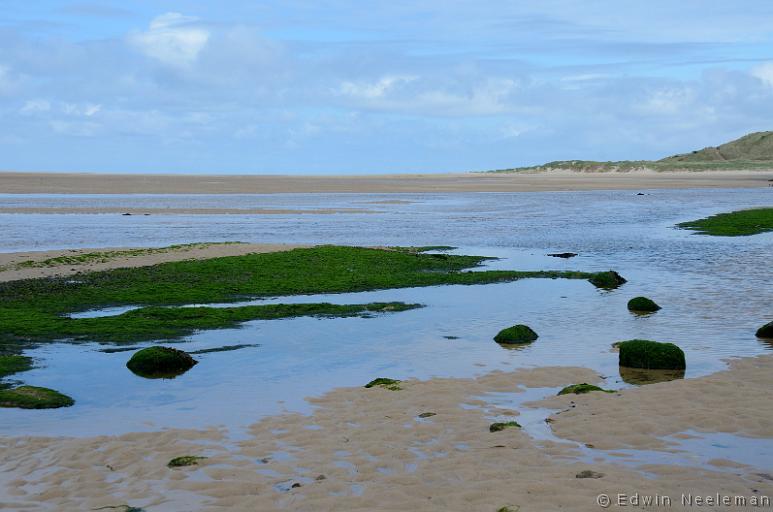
<point>369,449</point>
<point>547,181</point>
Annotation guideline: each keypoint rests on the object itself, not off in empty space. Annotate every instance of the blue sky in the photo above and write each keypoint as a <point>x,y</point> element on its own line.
<point>365,87</point>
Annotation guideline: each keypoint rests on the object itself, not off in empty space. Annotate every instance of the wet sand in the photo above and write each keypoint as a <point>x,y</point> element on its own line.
<point>25,265</point>
<point>367,450</point>
<point>54,183</point>
<point>59,210</point>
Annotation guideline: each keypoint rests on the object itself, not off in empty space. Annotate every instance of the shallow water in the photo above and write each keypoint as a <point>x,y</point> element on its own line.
<point>714,291</point>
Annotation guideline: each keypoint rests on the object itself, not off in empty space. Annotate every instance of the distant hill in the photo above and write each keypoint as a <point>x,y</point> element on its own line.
<point>752,151</point>
<point>756,146</point>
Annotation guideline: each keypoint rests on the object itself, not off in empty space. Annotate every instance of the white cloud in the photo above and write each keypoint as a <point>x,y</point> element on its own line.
<point>172,39</point>
<point>34,106</point>
<point>374,90</point>
<point>9,82</point>
<point>764,72</point>
<point>85,109</point>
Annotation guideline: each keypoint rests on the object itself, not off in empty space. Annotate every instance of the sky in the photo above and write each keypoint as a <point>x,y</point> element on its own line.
<point>356,87</point>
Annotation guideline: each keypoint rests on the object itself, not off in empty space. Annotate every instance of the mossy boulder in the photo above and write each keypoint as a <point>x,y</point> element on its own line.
<point>383,382</point>
<point>581,389</point>
<point>160,362</point>
<point>766,331</point>
<point>651,355</point>
<point>185,460</point>
<point>31,397</point>
<point>607,280</point>
<point>642,305</point>
<point>500,426</point>
<point>516,334</point>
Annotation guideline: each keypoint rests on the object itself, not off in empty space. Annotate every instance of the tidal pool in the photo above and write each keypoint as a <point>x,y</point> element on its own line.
<point>714,292</point>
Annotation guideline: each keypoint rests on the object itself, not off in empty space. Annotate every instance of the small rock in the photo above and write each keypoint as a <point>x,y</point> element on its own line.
<point>564,255</point>
<point>320,478</point>
<point>427,414</point>
<point>589,474</point>
<point>295,485</point>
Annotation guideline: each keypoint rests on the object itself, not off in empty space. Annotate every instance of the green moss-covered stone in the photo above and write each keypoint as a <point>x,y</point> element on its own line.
<point>642,305</point>
<point>607,280</point>
<point>383,382</point>
<point>580,389</point>
<point>185,460</point>
<point>651,355</point>
<point>31,397</point>
<point>160,362</point>
<point>500,426</point>
<point>766,331</point>
<point>516,334</point>
<point>10,364</point>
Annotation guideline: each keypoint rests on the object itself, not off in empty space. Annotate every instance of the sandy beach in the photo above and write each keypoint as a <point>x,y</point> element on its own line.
<point>33,264</point>
<point>368,449</point>
<point>55,183</point>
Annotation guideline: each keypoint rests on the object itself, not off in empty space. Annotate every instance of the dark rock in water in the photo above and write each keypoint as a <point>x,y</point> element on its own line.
<point>563,254</point>
<point>766,331</point>
<point>651,355</point>
<point>32,397</point>
<point>126,214</point>
<point>160,362</point>
<point>642,305</point>
<point>427,414</point>
<point>516,334</point>
<point>498,427</point>
<point>589,474</point>
<point>640,194</point>
<point>295,485</point>
<point>607,280</point>
<point>451,337</point>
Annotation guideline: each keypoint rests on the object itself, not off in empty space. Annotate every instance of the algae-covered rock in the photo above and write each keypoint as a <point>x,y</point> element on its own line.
<point>500,426</point>
<point>651,355</point>
<point>642,305</point>
<point>516,334</point>
<point>32,397</point>
<point>160,362</point>
<point>185,460</point>
<point>383,382</point>
<point>607,280</point>
<point>766,331</point>
<point>580,389</point>
<point>589,474</point>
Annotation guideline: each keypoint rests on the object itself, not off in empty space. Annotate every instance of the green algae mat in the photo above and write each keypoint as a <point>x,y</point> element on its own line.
<point>35,310</point>
<point>738,223</point>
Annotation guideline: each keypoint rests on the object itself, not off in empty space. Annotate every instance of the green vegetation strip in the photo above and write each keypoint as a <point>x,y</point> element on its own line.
<point>739,223</point>
<point>10,364</point>
<point>37,309</point>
